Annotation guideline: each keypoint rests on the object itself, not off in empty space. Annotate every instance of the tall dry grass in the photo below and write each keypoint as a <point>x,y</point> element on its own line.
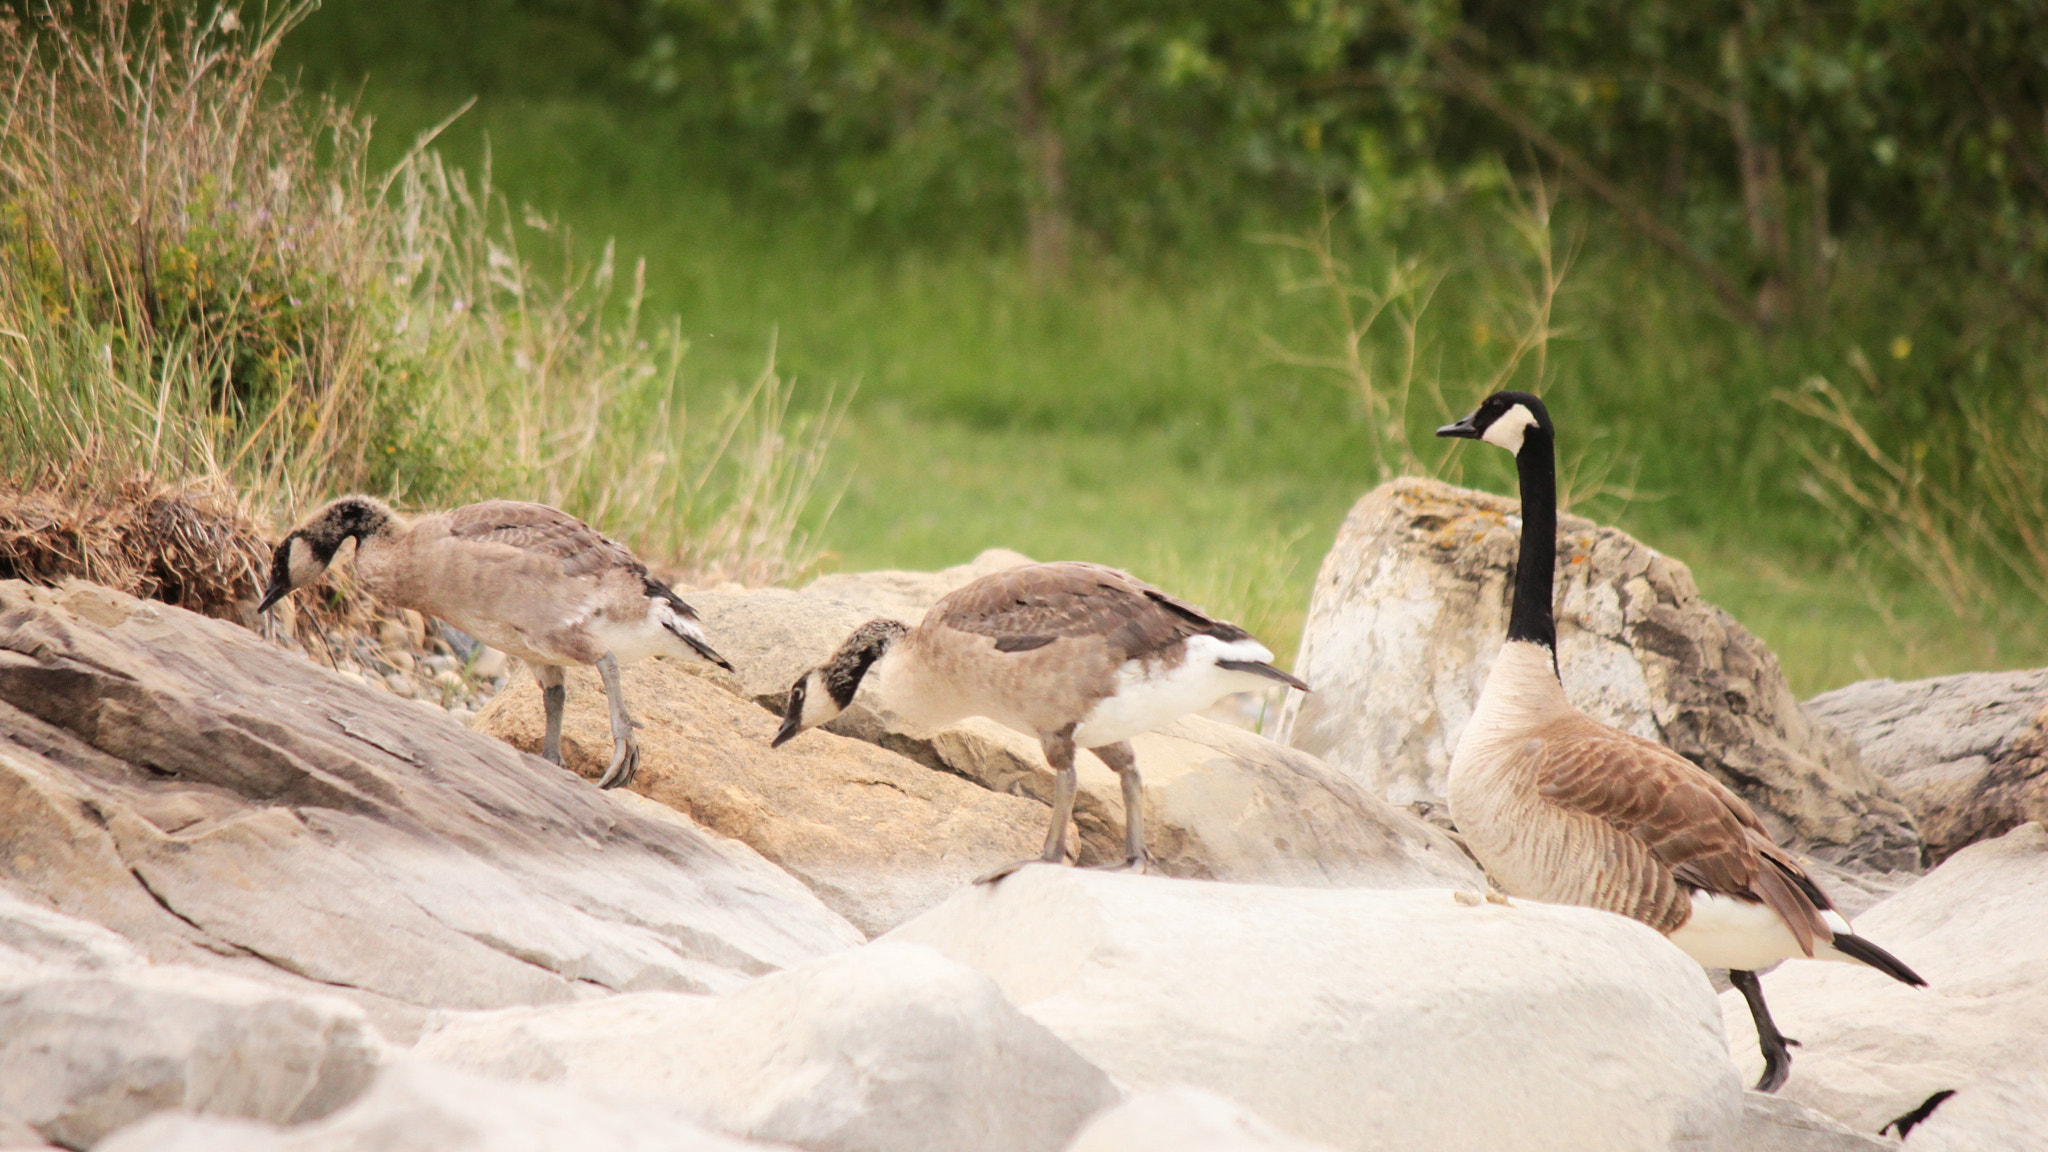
<point>203,284</point>
<point>1965,513</point>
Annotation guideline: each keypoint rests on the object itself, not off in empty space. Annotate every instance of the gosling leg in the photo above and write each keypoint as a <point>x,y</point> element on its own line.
<point>1059,752</point>
<point>625,746</point>
<point>553,693</point>
<point>1124,763</point>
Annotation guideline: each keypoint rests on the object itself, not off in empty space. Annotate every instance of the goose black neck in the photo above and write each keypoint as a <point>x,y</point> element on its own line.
<point>1530,618</point>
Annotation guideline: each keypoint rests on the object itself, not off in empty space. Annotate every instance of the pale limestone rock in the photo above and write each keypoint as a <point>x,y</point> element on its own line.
<point>1775,1124</point>
<point>83,1053</point>
<point>879,838</point>
<point>414,1106</point>
<point>1874,1049</point>
<point>1410,607</point>
<point>1360,1018</point>
<point>220,802</point>
<point>888,1048</point>
<point>1968,754</point>
<point>1184,1120</point>
<point>906,595</point>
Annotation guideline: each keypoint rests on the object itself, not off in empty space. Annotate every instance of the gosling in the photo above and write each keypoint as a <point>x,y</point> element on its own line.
<point>1076,655</point>
<point>528,579</point>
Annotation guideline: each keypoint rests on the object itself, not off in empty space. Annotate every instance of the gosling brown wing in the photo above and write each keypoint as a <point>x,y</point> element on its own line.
<point>543,531</point>
<point>1029,607</point>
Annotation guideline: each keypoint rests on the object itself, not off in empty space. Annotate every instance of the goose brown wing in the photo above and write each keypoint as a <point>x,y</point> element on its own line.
<point>1034,605</point>
<point>1698,832</point>
<point>543,531</point>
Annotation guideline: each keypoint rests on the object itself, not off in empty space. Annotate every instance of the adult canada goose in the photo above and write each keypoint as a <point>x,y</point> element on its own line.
<point>1562,808</point>
<point>531,580</point>
<point>1077,655</point>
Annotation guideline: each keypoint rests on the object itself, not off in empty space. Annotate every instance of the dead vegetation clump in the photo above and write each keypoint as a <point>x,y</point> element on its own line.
<point>190,545</point>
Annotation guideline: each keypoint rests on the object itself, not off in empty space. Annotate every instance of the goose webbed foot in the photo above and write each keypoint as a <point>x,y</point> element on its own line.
<point>1775,1045</point>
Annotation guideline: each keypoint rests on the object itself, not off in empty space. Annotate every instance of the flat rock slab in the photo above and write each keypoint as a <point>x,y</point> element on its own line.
<point>1968,753</point>
<point>1410,608</point>
<point>1363,1019</point>
<point>878,837</point>
<point>888,1048</point>
<point>414,1106</point>
<point>219,801</point>
<point>1873,1049</point>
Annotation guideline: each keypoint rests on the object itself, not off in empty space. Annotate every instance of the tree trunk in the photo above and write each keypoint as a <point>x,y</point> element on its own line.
<point>1048,228</point>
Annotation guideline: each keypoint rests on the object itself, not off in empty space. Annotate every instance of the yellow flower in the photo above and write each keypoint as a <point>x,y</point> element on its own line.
<point>1902,347</point>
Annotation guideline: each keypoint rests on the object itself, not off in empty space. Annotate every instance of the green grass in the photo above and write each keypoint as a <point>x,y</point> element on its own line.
<point>1135,417</point>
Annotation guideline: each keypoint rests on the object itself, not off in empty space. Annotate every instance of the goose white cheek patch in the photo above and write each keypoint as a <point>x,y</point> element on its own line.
<point>1507,432</point>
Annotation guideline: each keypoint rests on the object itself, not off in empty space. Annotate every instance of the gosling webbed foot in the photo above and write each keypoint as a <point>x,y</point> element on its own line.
<point>1136,865</point>
<point>625,761</point>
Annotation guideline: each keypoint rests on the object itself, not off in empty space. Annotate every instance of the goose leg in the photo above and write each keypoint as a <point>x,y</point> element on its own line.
<point>1059,752</point>
<point>625,746</point>
<point>1777,1057</point>
<point>553,692</point>
<point>1124,762</point>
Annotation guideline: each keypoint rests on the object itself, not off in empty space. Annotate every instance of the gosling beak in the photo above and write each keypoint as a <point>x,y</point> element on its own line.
<point>792,724</point>
<point>277,591</point>
<point>1463,429</point>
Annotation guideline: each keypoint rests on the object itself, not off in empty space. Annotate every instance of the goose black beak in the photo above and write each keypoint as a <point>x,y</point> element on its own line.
<point>1463,429</point>
<point>277,591</point>
<point>792,723</point>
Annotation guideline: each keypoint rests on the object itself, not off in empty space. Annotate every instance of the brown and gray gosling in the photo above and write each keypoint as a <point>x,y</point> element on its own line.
<point>528,579</point>
<point>1076,655</point>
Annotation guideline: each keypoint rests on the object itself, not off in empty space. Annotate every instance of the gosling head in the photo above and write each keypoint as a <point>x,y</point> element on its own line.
<point>1503,420</point>
<point>825,691</point>
<point>307,550</point>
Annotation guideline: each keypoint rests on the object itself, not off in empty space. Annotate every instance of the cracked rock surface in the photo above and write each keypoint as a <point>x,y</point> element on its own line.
<point>1411,605</point>
<point>226,804</point>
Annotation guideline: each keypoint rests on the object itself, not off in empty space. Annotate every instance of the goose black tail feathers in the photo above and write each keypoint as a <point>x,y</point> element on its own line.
<point>1857,948</point>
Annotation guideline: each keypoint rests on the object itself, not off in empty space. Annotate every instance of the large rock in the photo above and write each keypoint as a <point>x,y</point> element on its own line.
<point>1221,803</point>
<point>414,1106</point>
<point>1184,1120</point>
<point>1411,605</point>
<point>889,1048</point>
<point>221,802</point>
<point>879,838</point>
<point>84,1051</point>
<point>1360,1018</point>
<point>906,595</point>
<point>1873,1049</point>
<point>1967,753</point>
<point>1775,1124</point>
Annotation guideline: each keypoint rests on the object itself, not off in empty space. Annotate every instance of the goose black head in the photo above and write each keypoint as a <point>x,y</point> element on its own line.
<point>1503,420</point>
<point>307,550</point>
<point>825,691</point>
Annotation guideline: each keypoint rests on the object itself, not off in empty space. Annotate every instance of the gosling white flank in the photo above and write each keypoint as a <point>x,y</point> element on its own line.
<point>1562,808</point>
<point>1077,655</point>
<point>531,580</point>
